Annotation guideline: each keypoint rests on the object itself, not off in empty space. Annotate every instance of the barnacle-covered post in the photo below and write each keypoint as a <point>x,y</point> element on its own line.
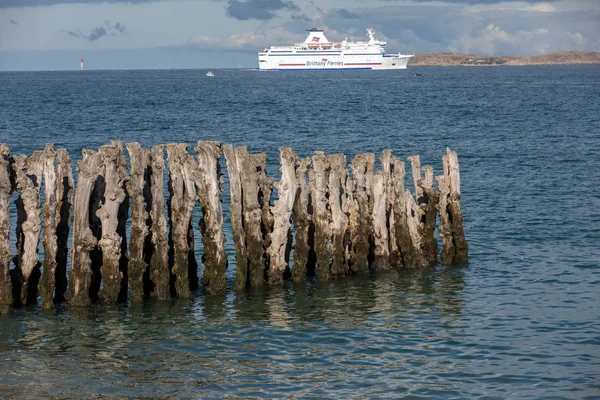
<point>139,160</point>
<point>362,173</point>
<point>211,224</point>
<point>381,250</point>
<point>28,173</point>
<point>280,245</point>
<point>159,261</point>
<point>454,246</point>
<point>339,220</point>
<point>236,216</point>
<point>303,251</point>
<point>321,213</point>
<point>114,171</point>
<point>6,189</point>
<point>47,283</point>
<point>182,172</point>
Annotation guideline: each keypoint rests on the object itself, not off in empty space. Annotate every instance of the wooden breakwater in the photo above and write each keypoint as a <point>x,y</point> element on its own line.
<point>338,220</point>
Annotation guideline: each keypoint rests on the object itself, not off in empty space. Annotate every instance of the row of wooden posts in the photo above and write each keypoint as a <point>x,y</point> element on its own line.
<point>343,222</point>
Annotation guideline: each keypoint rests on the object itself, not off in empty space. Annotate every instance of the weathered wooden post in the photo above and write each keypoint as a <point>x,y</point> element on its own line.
<point>282,213</point>
<point>303,252</point>
<point>114,171</point>
<point>251,166</point>
<point>395,193</point>
<point>236,216</point>
<point>381,249</point>
<point>28,173</point>
<point>362,173</point>
<point>159,262</point>
<point>47,283</point>
<point>321,213</point>
<point>65,192</point>
<point>428,213</point>
<point>139,161</point>
<point>265,189</point>
<point>182,176</point>
<point>406,221</point>
<point>6,189</point>
<point>454,246</point>
<point>211,224</point>
<point>80,275</point>
<point>339,220</point>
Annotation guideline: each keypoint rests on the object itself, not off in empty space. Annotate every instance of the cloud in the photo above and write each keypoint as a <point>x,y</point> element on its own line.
<point>253,41</point>
<point>13,22</point>
<point>41,3</point>
<point>342,13</point>
<point>493,40</point>
<point>99,31</point>
<point>450,27</point>
<point>541,7</point>
<point>480,2</point>
<point>244,10</point>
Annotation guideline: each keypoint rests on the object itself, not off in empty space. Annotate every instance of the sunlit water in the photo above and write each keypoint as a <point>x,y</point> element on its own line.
<point>520,321</point>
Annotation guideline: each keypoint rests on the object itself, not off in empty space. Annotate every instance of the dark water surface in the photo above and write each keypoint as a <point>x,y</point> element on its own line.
<point>521,321</point>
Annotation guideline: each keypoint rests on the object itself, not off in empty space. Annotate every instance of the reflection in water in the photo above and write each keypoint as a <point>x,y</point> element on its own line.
<point>254,344</point>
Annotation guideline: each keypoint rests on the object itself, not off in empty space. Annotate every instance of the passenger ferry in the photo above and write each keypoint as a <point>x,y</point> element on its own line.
<point>317,52</point>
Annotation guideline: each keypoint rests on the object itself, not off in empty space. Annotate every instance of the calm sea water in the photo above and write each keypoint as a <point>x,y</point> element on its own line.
<point>522,320</point>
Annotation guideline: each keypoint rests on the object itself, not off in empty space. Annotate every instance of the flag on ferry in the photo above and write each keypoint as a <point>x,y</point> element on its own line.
<point>315,39</point>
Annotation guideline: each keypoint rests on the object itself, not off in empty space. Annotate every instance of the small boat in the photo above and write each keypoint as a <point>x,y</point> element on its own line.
<point>417,74</point>
<point>209,73</point>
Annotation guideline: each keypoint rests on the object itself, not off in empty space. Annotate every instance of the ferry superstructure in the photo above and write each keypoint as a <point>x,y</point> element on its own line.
<point>318,53</point>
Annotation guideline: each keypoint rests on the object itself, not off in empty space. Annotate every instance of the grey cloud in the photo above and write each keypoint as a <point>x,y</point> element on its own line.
<point>257,9</point>
<point>342,13</point>
<point>13,22</point>
<point>99,31</point>
<point>39,3</point>
<point>492,32</point>
<point>473,2</point>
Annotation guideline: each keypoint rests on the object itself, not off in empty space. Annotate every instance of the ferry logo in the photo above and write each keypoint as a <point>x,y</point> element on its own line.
<point>316,39</point>
<point>324,60</point>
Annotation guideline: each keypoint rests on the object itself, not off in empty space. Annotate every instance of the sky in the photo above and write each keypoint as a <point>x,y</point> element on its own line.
<point>115,34</point>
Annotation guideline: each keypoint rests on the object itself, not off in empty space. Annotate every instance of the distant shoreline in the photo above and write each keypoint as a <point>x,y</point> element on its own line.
<point>470,60</point>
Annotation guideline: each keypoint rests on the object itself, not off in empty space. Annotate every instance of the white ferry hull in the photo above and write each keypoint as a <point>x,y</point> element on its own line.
<point>318,53</point>
<point>338,62</point>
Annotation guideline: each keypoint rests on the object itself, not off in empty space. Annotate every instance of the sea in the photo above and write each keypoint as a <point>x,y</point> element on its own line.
<point>520,321</point>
